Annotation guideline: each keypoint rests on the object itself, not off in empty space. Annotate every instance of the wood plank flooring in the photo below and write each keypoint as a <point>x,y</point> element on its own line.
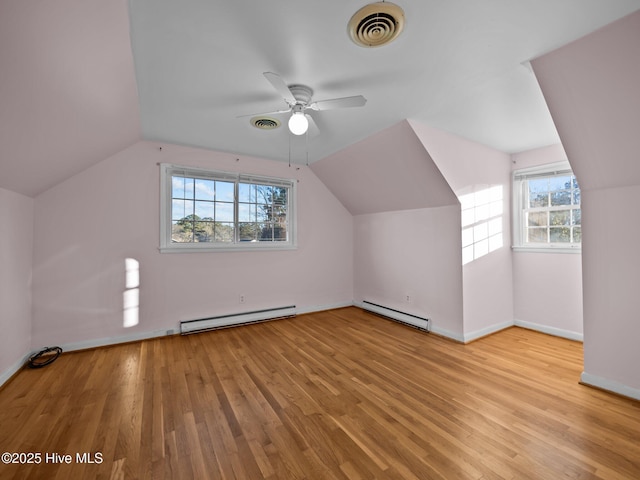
<point>342,394</point>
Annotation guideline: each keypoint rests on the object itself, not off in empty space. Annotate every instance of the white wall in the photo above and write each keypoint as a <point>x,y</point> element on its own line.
<point>88,225</point>
<point>16,246</point>
<point>414,253</point>
<point>547,286</point>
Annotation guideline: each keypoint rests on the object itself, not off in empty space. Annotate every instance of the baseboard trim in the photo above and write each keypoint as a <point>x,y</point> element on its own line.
<point>322,308</point>
<point>107,341</point>
<point>484,332</point>
<point>557,332</point>
<point>609,386</point>
<point>135,337</point>
<point>13,369</point>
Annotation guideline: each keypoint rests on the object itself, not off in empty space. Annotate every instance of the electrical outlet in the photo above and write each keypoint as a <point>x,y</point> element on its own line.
<point>242,298</point>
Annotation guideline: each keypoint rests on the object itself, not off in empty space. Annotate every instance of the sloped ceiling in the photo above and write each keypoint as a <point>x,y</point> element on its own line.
<point>388,171</point>
<point>593,89</point>
<point>67,89</point>
<point>82,79</point>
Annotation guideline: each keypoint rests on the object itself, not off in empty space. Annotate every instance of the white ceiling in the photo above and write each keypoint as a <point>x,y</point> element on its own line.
<point>82,79</point>
<point>459,65</point>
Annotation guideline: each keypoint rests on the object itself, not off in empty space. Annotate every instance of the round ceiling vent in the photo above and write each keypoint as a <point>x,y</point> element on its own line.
<point>265,123</point>
<point>376,24</point>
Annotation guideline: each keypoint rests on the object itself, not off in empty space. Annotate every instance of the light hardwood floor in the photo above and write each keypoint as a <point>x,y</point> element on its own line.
<point>340,394</point>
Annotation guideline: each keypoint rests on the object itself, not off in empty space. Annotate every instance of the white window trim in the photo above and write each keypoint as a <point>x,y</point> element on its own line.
<point>166,246</point>
<point>518,206</point>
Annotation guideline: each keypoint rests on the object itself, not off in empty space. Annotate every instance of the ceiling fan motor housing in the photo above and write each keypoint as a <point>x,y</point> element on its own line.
<point>301,93</point>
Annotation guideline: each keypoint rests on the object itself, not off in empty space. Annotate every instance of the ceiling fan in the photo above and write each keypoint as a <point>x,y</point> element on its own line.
<point>298,98</point>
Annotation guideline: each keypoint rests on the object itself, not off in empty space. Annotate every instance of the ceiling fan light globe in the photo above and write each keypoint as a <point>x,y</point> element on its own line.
<point>298,124</point>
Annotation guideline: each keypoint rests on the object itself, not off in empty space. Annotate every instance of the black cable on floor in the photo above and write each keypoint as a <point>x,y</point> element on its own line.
<point>44,357</point>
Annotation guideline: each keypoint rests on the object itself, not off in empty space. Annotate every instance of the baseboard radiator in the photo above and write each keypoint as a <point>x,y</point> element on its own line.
<point>414,321</point>
<point>235,319</point>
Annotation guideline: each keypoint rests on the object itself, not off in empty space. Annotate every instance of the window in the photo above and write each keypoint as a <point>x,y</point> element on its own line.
<point>547,211</point>
<point>205,210</point>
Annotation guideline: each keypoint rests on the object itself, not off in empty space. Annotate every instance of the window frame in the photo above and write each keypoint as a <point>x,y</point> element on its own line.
<point>519,179</point>
<point>168,171</point>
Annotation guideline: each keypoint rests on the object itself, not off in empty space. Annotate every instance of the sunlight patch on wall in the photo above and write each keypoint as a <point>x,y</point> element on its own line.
<point>481,214</point>
<point>131,295</point>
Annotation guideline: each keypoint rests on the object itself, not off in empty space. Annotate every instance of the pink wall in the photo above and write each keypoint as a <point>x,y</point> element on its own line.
<point>16,246</point>
<point>487,281</point>
<point>415,253</point>
<point>591,87</point>
<point>87,226</point>
<point>407,226</point>
<point>547,286</point>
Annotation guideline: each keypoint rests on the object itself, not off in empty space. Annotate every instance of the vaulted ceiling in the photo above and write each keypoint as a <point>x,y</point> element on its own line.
<point>82,79</point>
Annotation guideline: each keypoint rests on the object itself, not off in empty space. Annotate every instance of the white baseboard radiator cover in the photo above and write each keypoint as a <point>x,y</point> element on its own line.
<point>409,319</point>
<point>235,319</point>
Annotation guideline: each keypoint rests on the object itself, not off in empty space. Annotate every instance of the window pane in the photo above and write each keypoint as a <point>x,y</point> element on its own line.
<point>266,232</point>
<point>247,193</point>
<point>577,216</point>
<point>576,197</point>
<point>561,217</point>
<point>577,234</point>
<point>560,234</point>
<point>538,200</point>
<point>224,212</point>
<point>203,232</point>
<point>223,232</point>
<point>181,232</point>
<point>204,210</point>
<point>539,185</point>
<point>248,232</point>
<point>537,219</point>
<point>182,187</point>
<point>560,183</point>
<point>279,195</point>
<point>181,209</point>
<point>264,193</point>
<point>562,197</point>
<point>205,189</point>
<point>246,212</point>
<point>537,235</point>
<point>225,191</point>
<point>264,213</point>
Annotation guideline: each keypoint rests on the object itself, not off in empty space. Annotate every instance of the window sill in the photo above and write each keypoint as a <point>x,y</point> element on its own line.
<point>230,248</point>
<point>550,249</point>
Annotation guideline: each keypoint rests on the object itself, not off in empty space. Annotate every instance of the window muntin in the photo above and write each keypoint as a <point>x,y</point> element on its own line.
<point>209,210</point>
<point>547,211</point>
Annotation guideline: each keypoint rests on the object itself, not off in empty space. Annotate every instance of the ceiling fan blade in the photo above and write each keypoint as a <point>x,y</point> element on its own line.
<point>313,126</point>
<point>344,102</point>
<point>281,87</point>
<point>277,112</point>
